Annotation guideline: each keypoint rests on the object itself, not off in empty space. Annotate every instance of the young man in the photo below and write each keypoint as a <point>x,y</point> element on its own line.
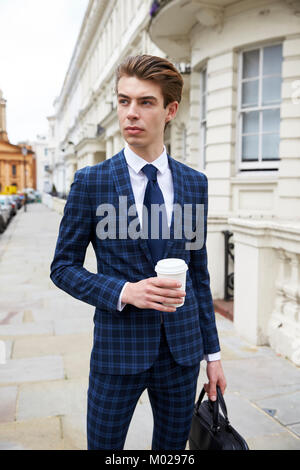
<point>139,343</point>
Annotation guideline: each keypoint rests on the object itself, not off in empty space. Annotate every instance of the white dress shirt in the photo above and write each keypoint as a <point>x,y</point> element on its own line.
<point>139,182</point>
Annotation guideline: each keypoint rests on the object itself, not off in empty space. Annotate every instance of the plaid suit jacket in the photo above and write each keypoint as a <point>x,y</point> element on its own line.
<point>127,342</point>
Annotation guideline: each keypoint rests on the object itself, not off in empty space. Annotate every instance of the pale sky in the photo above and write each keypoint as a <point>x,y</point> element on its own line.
<point>37,38</point>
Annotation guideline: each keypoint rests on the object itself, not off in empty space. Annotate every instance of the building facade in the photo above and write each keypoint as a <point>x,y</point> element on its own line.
<point>17,168</point>
<point>244,117</point>
<point>238,122</point>
<point>84,128</point>
<point>40,146</point>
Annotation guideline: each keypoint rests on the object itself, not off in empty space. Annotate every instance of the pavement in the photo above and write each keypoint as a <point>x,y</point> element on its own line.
<point>47,338</point>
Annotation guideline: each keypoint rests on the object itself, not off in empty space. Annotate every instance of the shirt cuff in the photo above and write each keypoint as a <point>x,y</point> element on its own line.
<point>121,304</point>
<point>213,357</point>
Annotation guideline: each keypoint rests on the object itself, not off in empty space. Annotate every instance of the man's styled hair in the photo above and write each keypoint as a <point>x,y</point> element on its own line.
<point>157,69</point>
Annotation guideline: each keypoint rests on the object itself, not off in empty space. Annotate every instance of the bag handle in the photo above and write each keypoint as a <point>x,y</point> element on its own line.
<point>222,405</point>
<point>215,408</point>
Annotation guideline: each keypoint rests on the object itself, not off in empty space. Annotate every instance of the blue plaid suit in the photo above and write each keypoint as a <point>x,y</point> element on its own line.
<point>128,342</point>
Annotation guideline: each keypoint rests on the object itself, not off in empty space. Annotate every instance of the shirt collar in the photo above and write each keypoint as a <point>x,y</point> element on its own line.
<point>137,163</point>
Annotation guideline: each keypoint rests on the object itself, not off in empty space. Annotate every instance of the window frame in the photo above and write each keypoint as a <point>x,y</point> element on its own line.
<point>203,117</point>
<point>258,165</point>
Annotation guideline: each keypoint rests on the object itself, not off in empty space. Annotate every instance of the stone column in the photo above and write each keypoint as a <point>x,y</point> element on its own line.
<point>255,268</point>
<point>220,117</point>
<point>109,148</point>
<point>117,143</point>
<point>89,159</point>
<point>193,133</point>
<point>3,133</point>
<point>284,324</point>
<point>70,165</point>
<point>289,165</point>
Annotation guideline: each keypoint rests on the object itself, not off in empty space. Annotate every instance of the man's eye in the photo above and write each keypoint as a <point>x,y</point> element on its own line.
<point>123,101</point>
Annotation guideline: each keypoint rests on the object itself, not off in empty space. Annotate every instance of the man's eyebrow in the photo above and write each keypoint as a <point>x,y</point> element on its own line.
<point>121,95</point>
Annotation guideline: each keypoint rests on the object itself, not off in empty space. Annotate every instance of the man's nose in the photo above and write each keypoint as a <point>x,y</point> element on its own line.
<point>132,111</point>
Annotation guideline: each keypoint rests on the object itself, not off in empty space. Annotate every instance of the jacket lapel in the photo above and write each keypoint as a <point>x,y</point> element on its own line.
<point>123,186</point>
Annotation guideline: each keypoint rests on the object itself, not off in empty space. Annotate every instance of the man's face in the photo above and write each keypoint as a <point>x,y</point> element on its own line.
<point>141,112</point>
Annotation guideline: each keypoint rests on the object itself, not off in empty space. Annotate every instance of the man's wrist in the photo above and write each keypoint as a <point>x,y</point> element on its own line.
<point>213,357</point>
<point>125,298</point>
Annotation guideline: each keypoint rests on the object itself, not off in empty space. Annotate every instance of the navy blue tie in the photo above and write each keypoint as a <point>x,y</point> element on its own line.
<point>153,195</point>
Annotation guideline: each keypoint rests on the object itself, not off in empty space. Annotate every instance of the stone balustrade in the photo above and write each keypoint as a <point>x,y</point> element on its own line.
<point>267,283</point>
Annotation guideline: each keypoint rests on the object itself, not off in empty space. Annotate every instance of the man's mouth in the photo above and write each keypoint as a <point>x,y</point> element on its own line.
<point>133,130</point>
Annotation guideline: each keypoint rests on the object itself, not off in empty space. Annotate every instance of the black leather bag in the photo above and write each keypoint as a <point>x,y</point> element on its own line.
<point>212,431</point>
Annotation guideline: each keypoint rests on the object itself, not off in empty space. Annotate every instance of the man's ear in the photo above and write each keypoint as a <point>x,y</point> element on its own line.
<point>172,110</point>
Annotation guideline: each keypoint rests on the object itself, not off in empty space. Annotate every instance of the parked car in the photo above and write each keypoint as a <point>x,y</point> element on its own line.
<point>22,198</point>
<point>3,220</point>
<point>17,198</point>
<point>6,204</point>
<point>13,204</point>
<point>5,209</point>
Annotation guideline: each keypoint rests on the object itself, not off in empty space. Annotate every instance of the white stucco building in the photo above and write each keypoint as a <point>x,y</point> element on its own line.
<point>238,122</point>
<point>244,116</point>
<point>40,146</point>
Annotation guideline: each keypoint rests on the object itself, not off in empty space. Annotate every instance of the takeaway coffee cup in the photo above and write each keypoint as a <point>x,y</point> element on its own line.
<point>173,268</point>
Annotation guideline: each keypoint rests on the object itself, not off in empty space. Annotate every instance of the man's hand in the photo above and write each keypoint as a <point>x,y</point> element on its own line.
<point>216,377</point>
<point>149,292</point>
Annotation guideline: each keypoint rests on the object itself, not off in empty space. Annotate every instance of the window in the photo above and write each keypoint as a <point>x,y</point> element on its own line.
<point>14,170</point>
<point>203,86</point>
<point>259,108</point>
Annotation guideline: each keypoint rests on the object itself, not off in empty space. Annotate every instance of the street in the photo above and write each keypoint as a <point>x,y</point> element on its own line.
<point>48,339</point>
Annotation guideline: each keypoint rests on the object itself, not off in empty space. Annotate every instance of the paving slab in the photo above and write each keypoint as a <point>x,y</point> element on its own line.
<point>77,365</point>
<point>35,434</point>
<point>24,329</point>
<point>32,369</point>
<point>7,445</point>
<point>5,345</point>
<point>77,325</point>
<point>281,441</point>
<point>55,398</point>
<point>259,377</point>
<point>286,408</point>
<point>74,431</point>
<point>234,347</point>
<point>32,346</point>
<point>11,317</point>
<point>58,310</point>
<point>8,401</point>
<point>295,428</point>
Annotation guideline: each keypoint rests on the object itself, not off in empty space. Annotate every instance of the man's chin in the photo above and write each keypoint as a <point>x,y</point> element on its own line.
<point>135,141</point>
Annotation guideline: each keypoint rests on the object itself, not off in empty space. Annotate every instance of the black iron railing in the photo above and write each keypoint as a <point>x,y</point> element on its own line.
<point>228,276</point>
<point>157,5</point>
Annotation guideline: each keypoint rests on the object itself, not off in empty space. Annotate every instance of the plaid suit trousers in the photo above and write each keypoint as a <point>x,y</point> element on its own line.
<point>113,398</point>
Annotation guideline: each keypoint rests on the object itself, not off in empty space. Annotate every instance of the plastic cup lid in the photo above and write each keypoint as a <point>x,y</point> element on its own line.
<point>171,266</point>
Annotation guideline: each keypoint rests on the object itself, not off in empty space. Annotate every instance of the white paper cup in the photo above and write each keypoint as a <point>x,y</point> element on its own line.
<point>173,268</point>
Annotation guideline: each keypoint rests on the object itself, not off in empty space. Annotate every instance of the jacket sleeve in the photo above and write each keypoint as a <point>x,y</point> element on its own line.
<point>75,233</point>
<point>201,283</point>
